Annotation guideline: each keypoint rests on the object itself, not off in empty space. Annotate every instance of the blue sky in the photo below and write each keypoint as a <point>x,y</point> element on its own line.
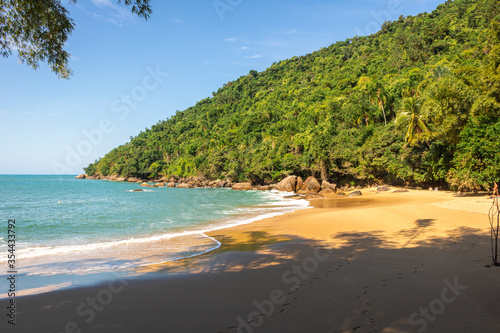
<point>130,73</point>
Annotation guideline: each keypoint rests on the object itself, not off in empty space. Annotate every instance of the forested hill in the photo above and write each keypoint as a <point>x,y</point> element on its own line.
<point>416,103</point>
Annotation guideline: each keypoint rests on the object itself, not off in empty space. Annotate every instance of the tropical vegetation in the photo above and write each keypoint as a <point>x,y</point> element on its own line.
<point>417,103</point>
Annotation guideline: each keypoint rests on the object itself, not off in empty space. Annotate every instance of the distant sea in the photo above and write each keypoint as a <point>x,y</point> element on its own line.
<point>68,228</point>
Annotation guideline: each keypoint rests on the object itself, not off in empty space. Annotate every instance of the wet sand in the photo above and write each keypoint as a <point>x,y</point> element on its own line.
<point>384,262</point>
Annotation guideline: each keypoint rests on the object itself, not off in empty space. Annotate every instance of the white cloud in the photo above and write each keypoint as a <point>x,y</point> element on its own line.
<point>102,3</point>
<point>178,21</point>
<point>244,48</point>
<point>231,40</point>
<point>254,56</point>
<point>110,12</point>
<point>291,32</point>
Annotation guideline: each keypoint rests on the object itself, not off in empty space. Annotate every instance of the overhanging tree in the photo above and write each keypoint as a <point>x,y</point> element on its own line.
<point>39,29</point>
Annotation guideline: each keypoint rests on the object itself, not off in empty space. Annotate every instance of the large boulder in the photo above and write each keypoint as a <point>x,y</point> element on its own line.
<point>82,176</point>
<point>185,185</point>
<point>383,188</point>
<point>242,186</point>
<point>147,185</point>
<point>311,185</point>
<point>287,184</point>
<point>171,184</point>
<point>355,194</point>
<point>327,188</point>
<point>160,184</point>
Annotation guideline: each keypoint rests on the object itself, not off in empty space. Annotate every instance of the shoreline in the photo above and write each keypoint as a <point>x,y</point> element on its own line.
<point>61,278</point>
<point>347,265</point>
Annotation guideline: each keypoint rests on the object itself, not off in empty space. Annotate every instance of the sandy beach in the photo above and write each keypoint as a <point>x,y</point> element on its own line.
<point>383,262</point>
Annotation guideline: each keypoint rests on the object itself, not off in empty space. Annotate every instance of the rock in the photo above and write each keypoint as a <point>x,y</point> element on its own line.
<point>112,177</point>
<point>221,183</point>
<point>355,193</point>
<point>313,196</point>
<point>120,179</point>
<point>82,176</point>
<point>299,184</point>
<point>263,188</point>
<point>327,188</point>
<point>185,185</point>
<point>295,196</point>
<point>400,191</point>
<point>287,184</point>
<point>137,190</point>
<point>383,188</point>
<point>133,180</point>
<point>147,185</point>
<point>172,184</point>
<point>160,184</point>
<point>311,185</point>
<point>340,194</point>
<point>242,186</point>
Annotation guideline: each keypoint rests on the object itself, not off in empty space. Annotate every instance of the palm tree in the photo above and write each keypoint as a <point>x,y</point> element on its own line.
<point>411,116</point>
<point>378,94</point>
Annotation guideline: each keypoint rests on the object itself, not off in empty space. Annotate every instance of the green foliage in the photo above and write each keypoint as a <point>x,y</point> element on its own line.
<point>406,105</point>
<point>477,160</point>
<point>40,29</point>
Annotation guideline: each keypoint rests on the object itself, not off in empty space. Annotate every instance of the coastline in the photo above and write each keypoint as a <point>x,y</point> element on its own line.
<point>362,264</point>
<point>69,265</point>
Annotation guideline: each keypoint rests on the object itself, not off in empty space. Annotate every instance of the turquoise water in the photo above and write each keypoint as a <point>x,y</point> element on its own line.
<point>77,227</point>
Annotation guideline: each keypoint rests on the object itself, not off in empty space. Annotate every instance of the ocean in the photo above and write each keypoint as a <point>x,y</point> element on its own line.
<point>69,232</point>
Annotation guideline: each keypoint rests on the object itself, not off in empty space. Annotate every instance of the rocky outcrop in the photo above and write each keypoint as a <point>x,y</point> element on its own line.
<point>221,183</point>
<point>160,184</point>
<point>355,193</point>
<point>185,185</point>
<point>383,188</point>
<point>134,180</point>
<point>172,184</point>
<point>242,186</point>
<point>311,185</point>
<point>147,185</point>
<point>327,188</point>
<point>82,176</point>
<point>288,184</point>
